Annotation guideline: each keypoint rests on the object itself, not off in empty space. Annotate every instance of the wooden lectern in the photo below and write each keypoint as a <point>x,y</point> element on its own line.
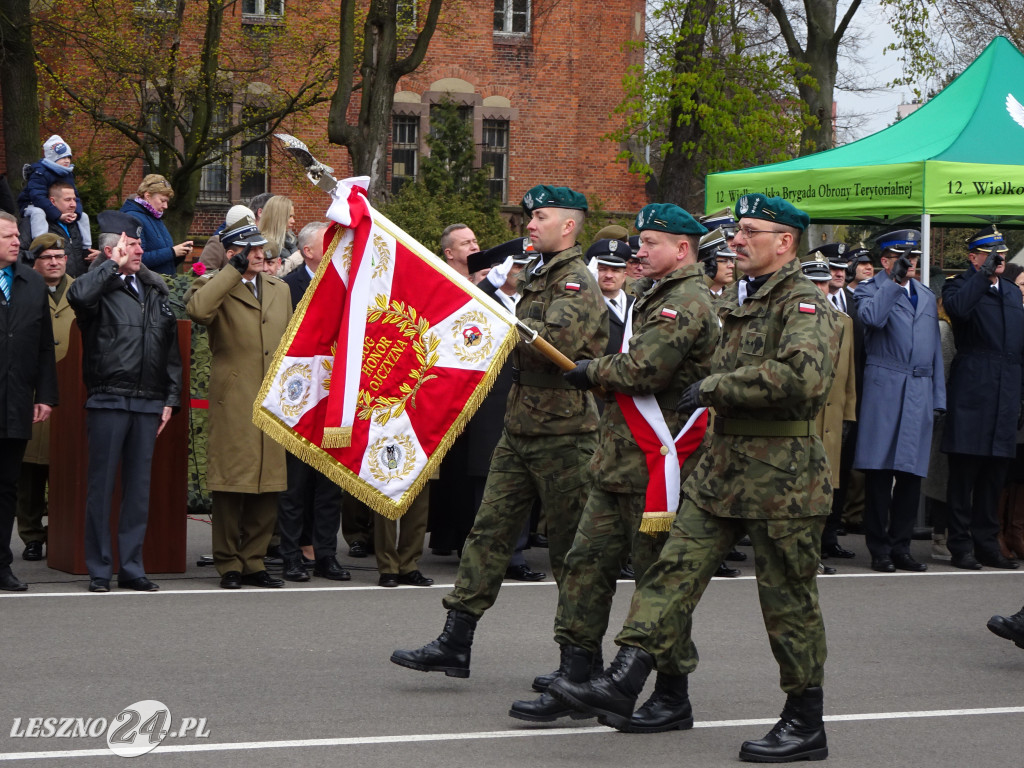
<point>164,548</point>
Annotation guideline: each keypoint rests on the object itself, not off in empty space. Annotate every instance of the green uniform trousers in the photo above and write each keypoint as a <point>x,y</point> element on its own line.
<point>523,468</point>
<point>785,559</point>
<point>608,531</point>
<point>242,524</point>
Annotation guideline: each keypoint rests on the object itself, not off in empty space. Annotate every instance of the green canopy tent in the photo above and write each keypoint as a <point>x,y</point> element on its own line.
<point>956,161</point>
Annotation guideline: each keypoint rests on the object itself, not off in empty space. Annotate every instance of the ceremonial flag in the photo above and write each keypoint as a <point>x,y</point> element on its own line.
<point>387,356</point>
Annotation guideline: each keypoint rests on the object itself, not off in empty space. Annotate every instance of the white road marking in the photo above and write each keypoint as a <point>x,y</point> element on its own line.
<point>213,589</point>
<point>479,735</point>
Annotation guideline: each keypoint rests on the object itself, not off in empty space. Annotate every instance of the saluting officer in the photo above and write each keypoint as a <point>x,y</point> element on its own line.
<point>549,434</point>
<point>763,473</point>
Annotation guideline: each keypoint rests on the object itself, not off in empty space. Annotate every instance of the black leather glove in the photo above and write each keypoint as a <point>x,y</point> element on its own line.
<point>578,375</point>
<point>847,429</point>
<point>711,267</point>
<point>900,269</point>
<point>240,260</point>
<point>851,271</point>
<point>991,263</point>
<point>690,401</point>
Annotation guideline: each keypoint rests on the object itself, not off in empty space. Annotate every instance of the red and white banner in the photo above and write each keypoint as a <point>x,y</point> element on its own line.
<point>388,355</point>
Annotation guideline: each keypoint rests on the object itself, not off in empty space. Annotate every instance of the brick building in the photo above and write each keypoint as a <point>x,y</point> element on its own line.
<point>539,79</point>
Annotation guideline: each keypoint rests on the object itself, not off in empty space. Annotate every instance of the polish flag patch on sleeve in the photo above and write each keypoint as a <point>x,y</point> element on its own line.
<point>807,308</point>
<point>666,312</point>
<point>572,286</point>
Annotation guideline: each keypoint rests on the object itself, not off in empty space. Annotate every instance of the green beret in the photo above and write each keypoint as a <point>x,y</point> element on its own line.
<point>666,217</point>
<point>544,196</point>
<point>757,206</point>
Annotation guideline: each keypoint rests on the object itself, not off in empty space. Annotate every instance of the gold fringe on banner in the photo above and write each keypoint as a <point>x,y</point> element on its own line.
<point>654,523</point>
<point>337,437</point>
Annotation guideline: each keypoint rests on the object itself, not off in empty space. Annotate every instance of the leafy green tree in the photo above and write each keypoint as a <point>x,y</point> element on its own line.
<point>703,101</point>
<point>449,189</point>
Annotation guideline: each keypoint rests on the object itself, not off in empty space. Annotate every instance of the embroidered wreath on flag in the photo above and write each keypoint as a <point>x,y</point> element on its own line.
<point>463,350</point>
<point>424,345</point>
<point>383,448</point>
<point>383,256</point>
<point>293,388</point>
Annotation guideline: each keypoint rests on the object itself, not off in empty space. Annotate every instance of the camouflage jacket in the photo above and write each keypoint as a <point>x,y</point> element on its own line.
<point>562,302</point>
<point>775,364</point>
<point>675,334</point>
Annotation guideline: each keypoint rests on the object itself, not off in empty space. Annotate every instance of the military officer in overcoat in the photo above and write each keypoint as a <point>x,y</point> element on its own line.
<point>764,473</point>
<point>550,428</point>
<point>673,334</point>
<point>246,312</point>
<point>983,399</point>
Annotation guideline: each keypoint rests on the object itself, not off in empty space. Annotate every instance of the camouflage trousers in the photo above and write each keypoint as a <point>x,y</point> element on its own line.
<point>523,468</point>
<point>785,559</point>
<point>608,531</point>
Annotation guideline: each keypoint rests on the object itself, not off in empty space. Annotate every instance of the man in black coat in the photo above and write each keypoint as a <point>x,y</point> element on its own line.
<point>132,372</point>
<point>28,377</point>
<point>607,259</point>
<point>983,400</point>
<point>311,500</point>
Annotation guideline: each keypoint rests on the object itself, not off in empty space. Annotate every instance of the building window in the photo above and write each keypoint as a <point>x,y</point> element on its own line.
<point>254,162</point>
<point>512,16</point>
<point>495,157</point>
<point>272,8</point>
<point>405,137</point>
<point>156,6</point>
<point>152,123</point>
<point>405,15</point>
<point>214,182</point>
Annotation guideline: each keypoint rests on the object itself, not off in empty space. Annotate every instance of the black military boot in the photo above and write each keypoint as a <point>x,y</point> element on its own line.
<point>799,734</point>
<point>541,682</point>
<point>667,709</point>
<point>576,666</point>
<point>448,654</point>
<point>612,695</point>
<point>1009,627</point>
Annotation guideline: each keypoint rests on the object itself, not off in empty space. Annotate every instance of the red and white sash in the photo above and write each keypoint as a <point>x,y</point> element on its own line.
<point>665,455</point>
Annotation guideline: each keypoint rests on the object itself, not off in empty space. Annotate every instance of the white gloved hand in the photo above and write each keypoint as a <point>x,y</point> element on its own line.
<point>499,274</point>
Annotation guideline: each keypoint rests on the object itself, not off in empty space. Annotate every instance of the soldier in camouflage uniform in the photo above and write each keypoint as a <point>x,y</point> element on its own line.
<point>549,434</point>
<point>674,334</point>
<point>764,473</point>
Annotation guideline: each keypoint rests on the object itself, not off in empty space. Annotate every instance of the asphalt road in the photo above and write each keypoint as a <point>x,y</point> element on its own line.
<point>300,675</point>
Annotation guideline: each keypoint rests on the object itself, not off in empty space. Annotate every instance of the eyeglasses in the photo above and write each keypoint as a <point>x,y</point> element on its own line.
<point>747,231</point>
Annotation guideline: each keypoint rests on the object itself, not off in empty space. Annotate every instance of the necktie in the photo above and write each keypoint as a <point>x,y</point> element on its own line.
<point>5,283</point>
<point>252,287</point>
<point>129,282</point>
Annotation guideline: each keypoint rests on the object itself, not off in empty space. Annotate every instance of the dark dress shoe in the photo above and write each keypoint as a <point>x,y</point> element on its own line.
<point>388,580</point>
<point>627,572</point>
<point>329,568</point>
<point>439,551</point>
<point>294,570</point>
<point>905,562</point>
<point>231,580</point>
<point>141,584</point>
<point>736,556</point>
<point>99,585</point>
<point>725,571</point>
<point>834,550</point>
<point>882,565</point>
<point>825,570</point>
<point>538,540</point>
<point>10,583</point>
<point>414,579</point>
<point>357,549</point>
<point>996,560</point>
<point>261,579</point>
<point>744,542</point>
<point>33,551</point>
<point>965,561</point>
<point>523,573</point>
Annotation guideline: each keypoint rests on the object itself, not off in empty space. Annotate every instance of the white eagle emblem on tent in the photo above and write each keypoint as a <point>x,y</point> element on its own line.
<point>1016,109</point>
